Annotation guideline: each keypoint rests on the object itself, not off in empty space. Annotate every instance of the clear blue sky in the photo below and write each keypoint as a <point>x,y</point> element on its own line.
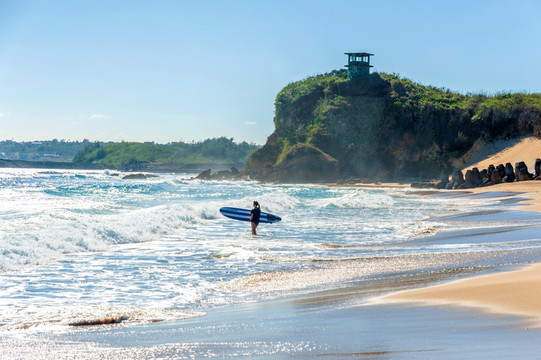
<point>189,70</point>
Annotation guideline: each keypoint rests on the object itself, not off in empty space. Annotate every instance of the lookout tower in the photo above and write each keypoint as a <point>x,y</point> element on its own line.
<point>358,65</point>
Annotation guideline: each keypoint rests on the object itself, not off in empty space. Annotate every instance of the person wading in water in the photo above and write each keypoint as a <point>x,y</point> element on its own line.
<point>254,218</point>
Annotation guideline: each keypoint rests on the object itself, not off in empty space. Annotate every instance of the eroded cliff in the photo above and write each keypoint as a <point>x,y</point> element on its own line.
<point>328,128</point>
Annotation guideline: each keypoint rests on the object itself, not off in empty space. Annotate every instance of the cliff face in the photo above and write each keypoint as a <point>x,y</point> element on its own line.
<point>382,127</point>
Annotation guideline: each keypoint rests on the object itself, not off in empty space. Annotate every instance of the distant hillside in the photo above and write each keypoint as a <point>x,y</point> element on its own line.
<point>142,156</point>
<point>382,127</point>
<point>45,150</point>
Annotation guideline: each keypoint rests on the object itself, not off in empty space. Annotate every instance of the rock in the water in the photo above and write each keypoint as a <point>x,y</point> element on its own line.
<point>204,175</point>
<point>138,176</point>
<point>222,175</point>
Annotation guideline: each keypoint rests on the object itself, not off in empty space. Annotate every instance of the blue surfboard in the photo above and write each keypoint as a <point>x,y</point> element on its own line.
<point>244,215</point>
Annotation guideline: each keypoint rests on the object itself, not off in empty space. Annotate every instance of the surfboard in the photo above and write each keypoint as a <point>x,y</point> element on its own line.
<point>244,215</point>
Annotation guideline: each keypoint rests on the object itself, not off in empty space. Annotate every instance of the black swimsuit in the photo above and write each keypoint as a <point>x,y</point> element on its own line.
<point>256,213</point>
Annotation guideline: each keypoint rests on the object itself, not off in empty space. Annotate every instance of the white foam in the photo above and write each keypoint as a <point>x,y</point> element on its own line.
<point>61,318</point>
<point>354,199</point>
<point>162,243</point>
<point>47,236</point>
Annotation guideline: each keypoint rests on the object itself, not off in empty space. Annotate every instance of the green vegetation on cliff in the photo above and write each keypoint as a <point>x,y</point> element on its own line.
<point>383,126</point>
<point>127,155</point>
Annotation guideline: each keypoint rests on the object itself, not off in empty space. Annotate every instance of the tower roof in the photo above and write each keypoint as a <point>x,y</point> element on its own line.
<point>359,54</point>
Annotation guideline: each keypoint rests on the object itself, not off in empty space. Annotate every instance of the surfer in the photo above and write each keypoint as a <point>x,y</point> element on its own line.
<point>254,217</point>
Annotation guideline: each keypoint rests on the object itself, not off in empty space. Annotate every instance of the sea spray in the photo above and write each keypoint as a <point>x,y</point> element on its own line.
<point>86,240</point>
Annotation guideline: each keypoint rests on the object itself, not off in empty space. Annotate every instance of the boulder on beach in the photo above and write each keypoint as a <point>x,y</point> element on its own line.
<point>496,176</point>
<point>443,179</point>
<point>509,173</point>
<point>457,179</point>
<point>472,179</point>
<point>521,170</point>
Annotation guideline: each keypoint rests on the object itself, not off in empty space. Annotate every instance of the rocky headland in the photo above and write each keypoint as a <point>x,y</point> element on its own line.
<point>386,128</point>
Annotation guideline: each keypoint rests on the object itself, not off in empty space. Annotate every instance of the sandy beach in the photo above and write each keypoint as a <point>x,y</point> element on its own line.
<point>515,292</point>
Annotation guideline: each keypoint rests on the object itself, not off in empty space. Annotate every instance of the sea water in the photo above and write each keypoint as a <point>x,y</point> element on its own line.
<point>80,246</point>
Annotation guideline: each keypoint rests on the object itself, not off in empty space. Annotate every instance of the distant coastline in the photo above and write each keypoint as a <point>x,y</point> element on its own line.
<point>28,164</point>
<point>149,167</point>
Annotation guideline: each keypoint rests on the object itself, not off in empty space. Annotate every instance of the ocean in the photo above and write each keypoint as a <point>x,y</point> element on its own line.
<point>83,247</point>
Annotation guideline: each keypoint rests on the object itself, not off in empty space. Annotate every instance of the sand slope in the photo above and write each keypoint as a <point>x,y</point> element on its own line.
<point>512,151</point>
<point>527,150</point>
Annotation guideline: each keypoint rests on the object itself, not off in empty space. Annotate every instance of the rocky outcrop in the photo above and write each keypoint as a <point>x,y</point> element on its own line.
<point>305,164</point>
<point>233,174</point>
<point>204,175</point>
<point>384,128</point>
<point>138,176</point>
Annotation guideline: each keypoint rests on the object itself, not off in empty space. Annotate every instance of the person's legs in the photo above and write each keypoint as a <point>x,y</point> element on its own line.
<point>254,226</point>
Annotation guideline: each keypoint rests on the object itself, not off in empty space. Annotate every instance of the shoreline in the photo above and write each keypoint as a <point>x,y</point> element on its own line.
<point>515,292</point>
<point>531,189</point>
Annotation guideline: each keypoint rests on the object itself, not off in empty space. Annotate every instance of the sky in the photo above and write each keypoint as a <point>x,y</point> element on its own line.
<point>189,70</point>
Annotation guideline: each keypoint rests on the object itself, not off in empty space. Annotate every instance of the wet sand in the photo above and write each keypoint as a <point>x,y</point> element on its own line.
<point>530,190</point>
<point>515,293</point>
<point>295,329</point>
